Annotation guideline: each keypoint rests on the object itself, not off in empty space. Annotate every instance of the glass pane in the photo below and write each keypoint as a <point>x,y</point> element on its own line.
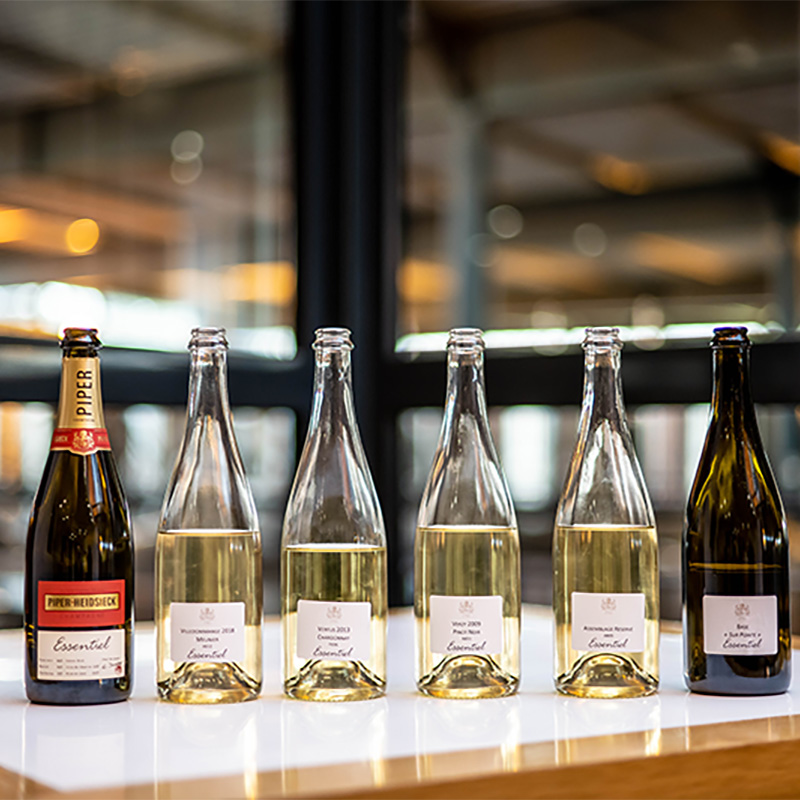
<point>144,183</point>
<point>631,164</point>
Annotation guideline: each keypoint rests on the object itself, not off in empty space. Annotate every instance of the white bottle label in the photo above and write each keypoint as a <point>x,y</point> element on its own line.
<point>745,626</point>
<point>80,655</point>
<point>608,622</point>
<point>464,624</point>
<point>206,632</point>
<point>334,630</point>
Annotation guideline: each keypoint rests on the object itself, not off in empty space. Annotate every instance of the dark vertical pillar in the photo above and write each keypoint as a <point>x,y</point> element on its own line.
<point>348,76</point>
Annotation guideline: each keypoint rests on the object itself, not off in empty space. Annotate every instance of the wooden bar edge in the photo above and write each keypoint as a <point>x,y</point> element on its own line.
<point>746,759</point>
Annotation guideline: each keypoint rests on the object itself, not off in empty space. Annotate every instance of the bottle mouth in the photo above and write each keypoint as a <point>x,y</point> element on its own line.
<point>605,338</point>
<point>80,337</point>
<point>208,337</point>
<point>465,339</point>
<point>332,338</point>
<point>730,337</point>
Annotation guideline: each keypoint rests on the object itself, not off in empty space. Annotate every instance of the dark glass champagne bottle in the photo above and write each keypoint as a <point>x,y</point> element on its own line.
<point>79,556</point>
<point>737,636</point>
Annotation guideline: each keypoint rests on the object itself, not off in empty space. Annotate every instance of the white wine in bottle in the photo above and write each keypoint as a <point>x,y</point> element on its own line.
<point>208,602</point>
<point>607,603</point>
<point>79,556</point>
<point>333,551</point>
<point>605,551</point>
<point>466,553</point>
<point>329,614</point>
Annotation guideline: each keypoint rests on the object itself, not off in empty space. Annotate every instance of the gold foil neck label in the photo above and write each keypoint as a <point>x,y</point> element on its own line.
<point>80,405</point>
<point>81,602</point>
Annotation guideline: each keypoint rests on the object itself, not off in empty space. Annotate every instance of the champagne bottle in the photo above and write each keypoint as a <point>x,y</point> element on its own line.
<point>737,636</point>
<point>466,553</point>
<point>208,585</point>
<point>333,550</point>
<point>79,554</point>
<point>605,551</point>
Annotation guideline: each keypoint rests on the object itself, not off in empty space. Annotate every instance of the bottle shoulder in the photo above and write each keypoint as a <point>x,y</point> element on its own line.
<point>734,479</point>
<point>466,484</point>
<point>333,497</point>
<point>79,526</point>
<point>605,484</point>
<point>208,487</point>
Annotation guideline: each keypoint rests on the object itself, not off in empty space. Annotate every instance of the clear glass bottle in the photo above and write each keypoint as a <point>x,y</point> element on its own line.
<point>208,593</point>
<point>737,633</point>
<point>605,550</point>
<point>466,554</point>
<point>333,550</point>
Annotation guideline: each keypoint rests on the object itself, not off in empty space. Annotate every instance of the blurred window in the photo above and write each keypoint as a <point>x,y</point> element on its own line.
<point>574,164</point>
<point>144,183</point>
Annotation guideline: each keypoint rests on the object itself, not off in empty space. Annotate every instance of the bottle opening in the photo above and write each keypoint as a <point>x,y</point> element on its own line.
<point>730,337</point>
<point>466,339</point>
<point>604,338</point>
<point>208,337</point>
<point>336,338</point>
<point>80,337</point>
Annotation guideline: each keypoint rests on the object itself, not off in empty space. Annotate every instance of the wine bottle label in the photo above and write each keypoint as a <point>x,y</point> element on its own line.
<point>81,441</point>
<point>80,604</point>
<point>334,630</point>
<point>608,622</point>
<point>80,655</point>
<point>206,632</point>
<point>740,625</point>
<point>80,404</point>
<point>464,624</point>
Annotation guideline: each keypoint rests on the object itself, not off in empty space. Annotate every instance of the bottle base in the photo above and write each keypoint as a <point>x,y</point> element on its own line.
<point>206,683</point>
<point>334,682</point>
<point>737,685</point>
<point>608,676</point>
<point>467,678</point>
<point>75,693</point>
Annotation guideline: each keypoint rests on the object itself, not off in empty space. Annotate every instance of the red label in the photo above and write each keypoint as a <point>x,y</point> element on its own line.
<point>81,604</point>
<point>81,441</point>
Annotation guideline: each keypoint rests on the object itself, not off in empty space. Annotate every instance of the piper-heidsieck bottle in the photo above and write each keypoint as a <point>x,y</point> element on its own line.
<point>466,555</point>
<point>79,556</point>
<point>605,552</point>
<point>208,594</point>
<point>333,550</point>
<point>737,635</point>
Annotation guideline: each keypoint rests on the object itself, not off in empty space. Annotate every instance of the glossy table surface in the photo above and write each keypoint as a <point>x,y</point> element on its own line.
<point>401,745</point>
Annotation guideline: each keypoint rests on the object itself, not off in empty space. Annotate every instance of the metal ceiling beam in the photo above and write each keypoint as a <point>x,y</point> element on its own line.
<point>209,24</point>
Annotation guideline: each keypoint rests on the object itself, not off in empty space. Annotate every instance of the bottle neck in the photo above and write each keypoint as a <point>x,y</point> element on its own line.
<point>602,387</point>
<point>333,391</point>
<point>80,403</point>
<point>465,387</point>
<point>208,384</point>
<point>731,399</point>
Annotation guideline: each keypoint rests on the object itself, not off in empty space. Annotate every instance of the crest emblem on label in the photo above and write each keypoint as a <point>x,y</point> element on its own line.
<point>207,614</point>
<point>80,441</point>
<point>742,610</point>
<point>466,608</point>
<point>608,604</point>
<point>334,612</point>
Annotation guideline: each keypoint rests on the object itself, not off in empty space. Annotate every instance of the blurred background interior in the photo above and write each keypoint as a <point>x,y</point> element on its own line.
<point>557,164</point>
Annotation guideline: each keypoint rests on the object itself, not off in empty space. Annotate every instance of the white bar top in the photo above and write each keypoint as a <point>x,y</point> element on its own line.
<point>146,741</point>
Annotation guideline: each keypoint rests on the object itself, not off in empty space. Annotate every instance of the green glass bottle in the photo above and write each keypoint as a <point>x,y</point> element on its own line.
<point>79,556</point>
<point>737,636</point>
